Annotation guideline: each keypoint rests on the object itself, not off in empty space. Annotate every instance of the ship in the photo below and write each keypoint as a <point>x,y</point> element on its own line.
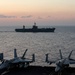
<point>35,29</point>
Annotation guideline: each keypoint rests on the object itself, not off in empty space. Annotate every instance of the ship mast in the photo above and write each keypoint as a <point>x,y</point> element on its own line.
<point>34,23</point>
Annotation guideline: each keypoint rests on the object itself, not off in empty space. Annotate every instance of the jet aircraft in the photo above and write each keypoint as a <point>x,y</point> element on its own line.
<point>17,61</point>
<point>62,62</point>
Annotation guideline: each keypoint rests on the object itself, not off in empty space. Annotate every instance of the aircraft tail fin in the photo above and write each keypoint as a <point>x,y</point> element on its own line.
<point>24,53</point>
<point>60,54</point>
<point>70,54</point>
<point>1,56</point>
<point>15,53</point>
<point>47,58</point>
<point>33,57</point>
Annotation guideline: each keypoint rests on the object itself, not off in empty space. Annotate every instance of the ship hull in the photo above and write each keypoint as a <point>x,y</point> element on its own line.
<point>36,30</point>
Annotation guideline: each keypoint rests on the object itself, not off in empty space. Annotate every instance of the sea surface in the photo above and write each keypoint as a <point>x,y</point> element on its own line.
<point>39,43</point>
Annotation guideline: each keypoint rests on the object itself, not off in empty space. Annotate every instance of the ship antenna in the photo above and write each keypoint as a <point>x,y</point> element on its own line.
<point>35,23</point>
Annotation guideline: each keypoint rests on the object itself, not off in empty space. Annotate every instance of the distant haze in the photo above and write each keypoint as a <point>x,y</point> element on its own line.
<point>43,12</point>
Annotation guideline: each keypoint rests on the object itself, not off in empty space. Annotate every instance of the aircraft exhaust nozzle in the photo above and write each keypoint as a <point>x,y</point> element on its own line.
<point>33,57</point>
<point>47,58</point>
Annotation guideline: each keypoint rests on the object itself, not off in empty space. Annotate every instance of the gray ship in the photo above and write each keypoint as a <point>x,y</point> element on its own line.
<point>35,29</point>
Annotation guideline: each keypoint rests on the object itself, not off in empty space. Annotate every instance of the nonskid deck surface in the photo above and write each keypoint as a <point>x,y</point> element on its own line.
<point>38,70</point>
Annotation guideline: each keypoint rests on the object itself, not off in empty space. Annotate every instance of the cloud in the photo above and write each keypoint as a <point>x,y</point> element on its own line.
<point>49,16</point>
<point>4,16</point>
<point>40,17</point>
<point>29,16</point>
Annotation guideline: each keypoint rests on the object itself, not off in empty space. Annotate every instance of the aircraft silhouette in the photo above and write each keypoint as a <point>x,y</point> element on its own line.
<point>17,61</point>
<point>62,62</point>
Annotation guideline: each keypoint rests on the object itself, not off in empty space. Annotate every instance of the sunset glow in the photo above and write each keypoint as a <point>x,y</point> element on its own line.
<point>44,12</point>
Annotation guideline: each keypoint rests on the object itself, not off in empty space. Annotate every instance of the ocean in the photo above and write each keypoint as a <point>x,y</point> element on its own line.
<point>39,43</point>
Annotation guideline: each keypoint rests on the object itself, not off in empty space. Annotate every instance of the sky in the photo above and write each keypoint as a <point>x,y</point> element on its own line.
<point>43,12</point>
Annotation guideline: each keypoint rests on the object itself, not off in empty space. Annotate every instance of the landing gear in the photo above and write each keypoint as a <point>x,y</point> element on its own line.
<point>26,64</point>
<point>23,65</point>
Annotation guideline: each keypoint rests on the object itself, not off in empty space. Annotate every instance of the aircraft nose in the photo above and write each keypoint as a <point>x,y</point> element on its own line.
<point>57,69</point>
